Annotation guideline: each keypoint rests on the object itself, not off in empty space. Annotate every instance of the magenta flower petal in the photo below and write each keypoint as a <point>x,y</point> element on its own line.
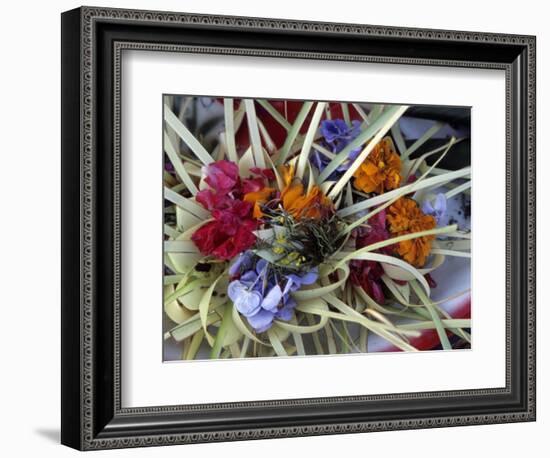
<point>222,176</point>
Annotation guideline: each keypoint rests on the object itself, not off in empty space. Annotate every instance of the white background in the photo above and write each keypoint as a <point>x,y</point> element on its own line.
<point>147,76</point>
<point>30,245</point>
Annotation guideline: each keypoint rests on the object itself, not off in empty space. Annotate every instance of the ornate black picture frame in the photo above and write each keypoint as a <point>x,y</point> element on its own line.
<point>92,42</point>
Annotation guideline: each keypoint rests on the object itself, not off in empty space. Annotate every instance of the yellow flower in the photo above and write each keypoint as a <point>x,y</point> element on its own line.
<point>405,217</point>
<point>381,170</point>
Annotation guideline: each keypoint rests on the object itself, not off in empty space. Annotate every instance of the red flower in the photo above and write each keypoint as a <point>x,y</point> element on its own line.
<point>266,173</point>
<point>233,212</point>
<point>222,176</point>
<point>376,232</point>
<point>367,273</point>
<point>211,200</point>
<point>223,239</point>
<point>231,232</point>
<point>216,202</point>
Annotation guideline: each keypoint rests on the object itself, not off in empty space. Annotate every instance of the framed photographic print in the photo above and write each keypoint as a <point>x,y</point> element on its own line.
<point>277,228</point>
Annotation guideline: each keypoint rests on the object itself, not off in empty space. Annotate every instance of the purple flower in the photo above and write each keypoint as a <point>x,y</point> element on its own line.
<point>272,299</point>
<point>246,300</point>
<point>438,210</point>
<point>241,264</point>
<point>295,282</point>
<point>261,321</point>
<point>336,136</point>
<point>258,295</point>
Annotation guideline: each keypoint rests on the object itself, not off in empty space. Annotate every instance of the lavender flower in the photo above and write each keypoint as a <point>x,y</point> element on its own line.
<point>258,296</point>
<point>336,136</point>
<point>241,264</point>
<point>438,210</point>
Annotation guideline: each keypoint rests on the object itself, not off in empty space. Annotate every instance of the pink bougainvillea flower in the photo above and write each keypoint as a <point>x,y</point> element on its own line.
<point>233,213</point>
<point>231,232</point>
<point>222,176</point>
<point>252,185</point>
<point>212,200</point>
<point>268,174</point>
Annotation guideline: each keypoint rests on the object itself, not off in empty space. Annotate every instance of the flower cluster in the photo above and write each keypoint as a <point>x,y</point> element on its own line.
<point>306,231</point>
<point>261,292</point>
<point>291,249</point>
<point>281,238</point>
<point>231,232</point>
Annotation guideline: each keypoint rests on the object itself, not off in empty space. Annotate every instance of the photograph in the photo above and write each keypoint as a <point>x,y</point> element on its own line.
<point>307,228</point>
<point>281,226</point>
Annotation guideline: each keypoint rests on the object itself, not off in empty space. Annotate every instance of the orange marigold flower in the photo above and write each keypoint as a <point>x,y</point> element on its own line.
<point>405,217</point>
<point>381,170</point>
<point>313,204</point>
<point>257,198</point>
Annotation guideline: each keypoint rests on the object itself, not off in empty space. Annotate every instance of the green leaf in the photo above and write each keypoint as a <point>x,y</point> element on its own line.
<point>230,130</point>
<point>187,137</point>
<point>362,113</point>
<point>188,205</point>
<point>459,189</point>
<point>423,139</point>
<point>180,246</point>
<point>204,308</point>
<point>174,311</point>
<point>246,162</point>
<point>276,343</point>
<point>345,113</point>
<point>310,135</point>
<point>194,346</point>
<point>193,286</point>
<point>435,317</point>
<point>398,137</point>
<point>254,133</point>
<point>293,133</point>
<point>391,241</point>
<point>191,326</point>
<point>319,291</point>
<point>176,161</point>
<point>222,331</point>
